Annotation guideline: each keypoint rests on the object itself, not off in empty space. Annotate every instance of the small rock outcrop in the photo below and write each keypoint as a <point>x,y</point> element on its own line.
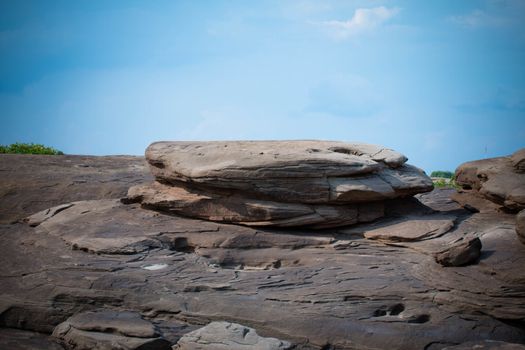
<point>228,336</point>
<point>486,345</point>
<point>318,184</point>
<point>520,226</point>
<point>460,254</point>
<point>107,329</point>
<point>499,180</point>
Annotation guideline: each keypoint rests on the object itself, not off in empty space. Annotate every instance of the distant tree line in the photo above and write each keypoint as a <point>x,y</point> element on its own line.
<point>441,173</point>
<point>29,148</point>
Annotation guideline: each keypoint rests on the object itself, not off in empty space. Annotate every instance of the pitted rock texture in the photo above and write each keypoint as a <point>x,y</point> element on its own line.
<point>499,180</point>
<point>31,183</point>
<point>228,336</point>
<point>310,288</point>
<point>318,184</point>
<point>316,289</point>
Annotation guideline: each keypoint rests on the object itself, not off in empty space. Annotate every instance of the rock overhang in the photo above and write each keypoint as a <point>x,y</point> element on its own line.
<point>282,183</point>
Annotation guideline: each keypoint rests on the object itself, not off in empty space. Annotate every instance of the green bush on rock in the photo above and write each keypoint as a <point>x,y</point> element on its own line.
<point>29,148</point>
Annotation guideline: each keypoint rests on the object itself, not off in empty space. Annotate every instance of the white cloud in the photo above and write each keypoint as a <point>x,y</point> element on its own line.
<point>363,20</point>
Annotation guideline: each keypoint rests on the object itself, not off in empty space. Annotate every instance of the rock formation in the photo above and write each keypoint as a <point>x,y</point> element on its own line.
<point>520,225</point>
<point>228,336</point>
<point>108,330</point>
<point>81,272</point>
<point>498,180</point>
<point>319,184</point>
<point>31,183</point>
<point>460,254</point>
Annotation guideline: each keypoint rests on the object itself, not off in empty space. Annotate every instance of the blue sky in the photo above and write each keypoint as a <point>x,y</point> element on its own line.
<point>440,81</point>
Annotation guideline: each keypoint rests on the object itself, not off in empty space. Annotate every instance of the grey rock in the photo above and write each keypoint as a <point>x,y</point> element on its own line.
<point>17,339</point>
<point>228,336</point>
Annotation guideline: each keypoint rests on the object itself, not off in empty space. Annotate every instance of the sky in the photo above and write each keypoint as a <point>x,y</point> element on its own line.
<point>442,82</point>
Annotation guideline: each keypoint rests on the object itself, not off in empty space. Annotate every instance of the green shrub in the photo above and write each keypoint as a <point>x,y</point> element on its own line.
<point>29,148</point>
<point>443,182</point>
<point>441,173</point>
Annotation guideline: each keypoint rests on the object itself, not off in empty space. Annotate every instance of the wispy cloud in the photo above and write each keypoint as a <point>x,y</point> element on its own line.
<point>363,20</point>
<point>478,18</point>
<point>493,14</point>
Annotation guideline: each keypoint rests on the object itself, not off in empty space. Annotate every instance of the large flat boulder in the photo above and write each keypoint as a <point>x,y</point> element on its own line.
<point>318,184</point>
<point>290,171</point>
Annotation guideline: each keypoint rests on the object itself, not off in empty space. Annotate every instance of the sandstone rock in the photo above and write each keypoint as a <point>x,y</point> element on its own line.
<point>228,336</point>
<point>317,289</point>
<point>500,180</point>
<point>518,160</point>
<point>460,254</point>
<point>406,229</point>
<point>486,345</point>
<point>31,183</point>
<point>252,212</point>
<point>109,330</point>
<point>16,339</point>
<point>289,171</point>
<point>520,226</point>
<point>319,184</point>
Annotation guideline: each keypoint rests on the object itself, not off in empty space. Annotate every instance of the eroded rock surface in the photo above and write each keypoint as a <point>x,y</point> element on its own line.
<point>319,184</point>
<point>31,183</point>
<point>228,336</point>
<point>498,180</point>
<point>316,289</point>
<point>520,226</point>
<point>486,345</point>
<point>108,330</point>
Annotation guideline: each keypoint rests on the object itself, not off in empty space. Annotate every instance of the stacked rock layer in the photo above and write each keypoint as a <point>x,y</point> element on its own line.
<point>500,180</point>
<point>318,184</point>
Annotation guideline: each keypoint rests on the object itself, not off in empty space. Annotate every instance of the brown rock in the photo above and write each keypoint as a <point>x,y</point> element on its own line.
<point>499,180</point>
<point>315,289</point>
<point>319,184</point>
<point>518,160</point>
<point>235,208</point>
<point>460,254</point>
<point>109,330</point>
<point>289,171</point>
<point>406,229</point>
<point>31,183</point>
<point>486,345</point>
<point>520,226</point>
